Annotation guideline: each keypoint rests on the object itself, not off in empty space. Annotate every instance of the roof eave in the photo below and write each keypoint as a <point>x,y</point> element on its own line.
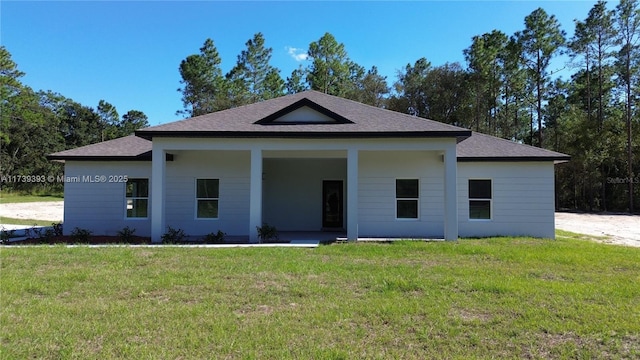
<point>149,135</point>
<point>141,157</point>
<point>555,159</point>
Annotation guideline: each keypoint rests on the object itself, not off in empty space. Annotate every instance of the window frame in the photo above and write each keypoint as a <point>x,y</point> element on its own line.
<point>416,199</point>
<point>197,199</point>
<point>490,199</point>
<point>127,198</point>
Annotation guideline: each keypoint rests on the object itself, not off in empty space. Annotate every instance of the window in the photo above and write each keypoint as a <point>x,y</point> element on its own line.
<point>407,198</point>
<point>137,198</point>
<point>207,196</point>
<point>480,199</point>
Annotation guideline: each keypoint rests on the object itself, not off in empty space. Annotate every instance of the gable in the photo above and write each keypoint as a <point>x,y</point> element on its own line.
<point>304,115</point>
<point>303,111</point>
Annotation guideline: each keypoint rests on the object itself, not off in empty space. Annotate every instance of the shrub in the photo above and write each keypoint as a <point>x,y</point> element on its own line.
<point>5,235</point>
<point>173,236</point>
<point>267,233</point>
<point>57,229</point>
<point>78,235</point>
<point>126,234</point>
<point>215,238</point>
<point>49,233</point>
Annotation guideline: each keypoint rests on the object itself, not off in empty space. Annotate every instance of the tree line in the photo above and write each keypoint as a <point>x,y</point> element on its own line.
<point>36,123</point>
<point>510,87</point>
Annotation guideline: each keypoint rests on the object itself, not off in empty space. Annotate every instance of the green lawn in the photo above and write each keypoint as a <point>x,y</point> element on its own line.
<point>6,198</point>
<point>34,222</point>
<point>489,298</point>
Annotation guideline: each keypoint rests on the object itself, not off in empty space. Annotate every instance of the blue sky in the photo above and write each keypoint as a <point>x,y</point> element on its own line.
<point>128,53</point>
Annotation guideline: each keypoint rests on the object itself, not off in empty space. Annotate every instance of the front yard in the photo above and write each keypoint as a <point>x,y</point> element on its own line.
<point>503,298</point>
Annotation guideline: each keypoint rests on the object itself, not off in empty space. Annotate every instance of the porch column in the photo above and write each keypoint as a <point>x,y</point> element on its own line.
<point>450,193</point>
<point>352,194</point>
<point>255,195</point>
<point>158,165</point>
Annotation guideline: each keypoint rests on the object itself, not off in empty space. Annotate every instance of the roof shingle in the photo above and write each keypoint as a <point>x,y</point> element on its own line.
<point>125,148</point>
<point>481,147</point>
<point>245,121</point>
<point>354,120</point>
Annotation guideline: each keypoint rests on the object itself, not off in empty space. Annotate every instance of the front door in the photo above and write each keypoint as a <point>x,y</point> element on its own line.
<point>332,204</point>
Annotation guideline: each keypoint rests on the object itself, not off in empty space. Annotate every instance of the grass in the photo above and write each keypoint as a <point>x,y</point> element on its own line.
<point>487,298</point>
<point>6,198</point>
<point>14,221</point>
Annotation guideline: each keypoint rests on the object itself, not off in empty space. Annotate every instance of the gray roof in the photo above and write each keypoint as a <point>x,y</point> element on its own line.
<point>353,119</point>
<point>478,147</point>
<point>481,147</point>
<point>125,148</point>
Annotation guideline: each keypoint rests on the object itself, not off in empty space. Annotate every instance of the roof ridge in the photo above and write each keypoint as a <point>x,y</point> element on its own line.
<point>408,116</point>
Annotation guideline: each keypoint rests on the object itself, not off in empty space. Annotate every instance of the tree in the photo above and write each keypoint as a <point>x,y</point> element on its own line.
<point>410,89</point>
<point>10,87</point>
<point>273,85</point>
<point>440,93</point>
<point>483,57</point>
<point>541,39</point>
<point>600,28</point>
<point>35,124</point>
<point>373,88</point>
<point>330,71</point>
<point>628,62</point>
<point>80,125</point>
<point>204,88</point>
<point>296,83</point>
<point>109,120</point>
<point>448,96</point>
<point>579,47</point>
<point>253,79</point>
<point>28,129</point>
<point>132,121</point>
<point>513,93</point>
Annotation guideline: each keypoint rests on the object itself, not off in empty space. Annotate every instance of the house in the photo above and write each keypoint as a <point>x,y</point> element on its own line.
<point>311,162</point>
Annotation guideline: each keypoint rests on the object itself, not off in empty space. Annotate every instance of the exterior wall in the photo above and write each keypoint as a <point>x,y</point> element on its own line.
<point>231,168</point>
<point>292,191</point>
<point>378,171</point>
<point>522,199</point>
<point>100,205</point>
<point>522,194</point>
<point>373,158</point>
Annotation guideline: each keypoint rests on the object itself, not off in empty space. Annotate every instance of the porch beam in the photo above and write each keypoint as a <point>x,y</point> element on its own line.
<point>352,194</point>
<point>158,173</point>
<point>255,195</point>
<point>450,193</point>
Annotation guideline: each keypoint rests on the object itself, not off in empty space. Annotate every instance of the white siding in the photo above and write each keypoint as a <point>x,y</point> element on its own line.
<point>292,193</point>
<point>100,206</point>
<point>378,172</point>
<point>522,199</point>
<point>231,167</point>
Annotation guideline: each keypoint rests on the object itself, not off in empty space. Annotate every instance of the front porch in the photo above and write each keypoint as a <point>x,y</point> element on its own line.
<point>292,185</point>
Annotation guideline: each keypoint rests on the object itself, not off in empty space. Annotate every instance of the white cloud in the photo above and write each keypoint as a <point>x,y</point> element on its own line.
<point>297,54</point>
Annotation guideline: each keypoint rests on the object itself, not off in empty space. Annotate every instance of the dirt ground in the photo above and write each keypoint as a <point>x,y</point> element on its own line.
<point>621,229</point>
<point>50,210</point>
